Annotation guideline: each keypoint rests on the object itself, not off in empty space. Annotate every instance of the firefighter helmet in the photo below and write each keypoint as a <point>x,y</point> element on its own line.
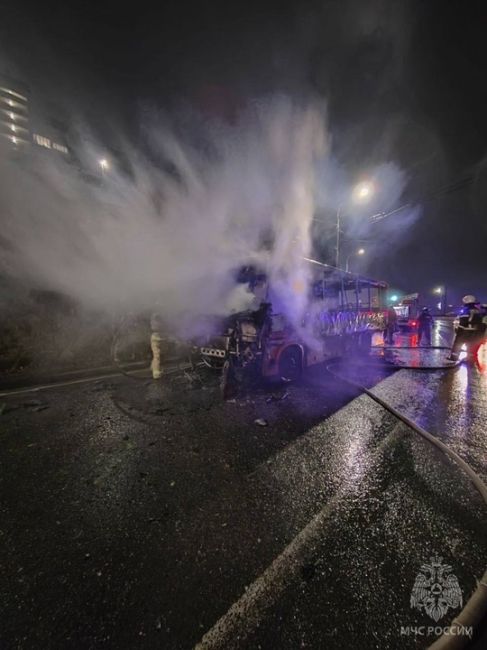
<point>469,299</point>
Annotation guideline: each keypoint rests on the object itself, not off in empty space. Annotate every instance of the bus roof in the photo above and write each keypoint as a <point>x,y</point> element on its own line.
<point>321,271</point>
<point>333,273</point>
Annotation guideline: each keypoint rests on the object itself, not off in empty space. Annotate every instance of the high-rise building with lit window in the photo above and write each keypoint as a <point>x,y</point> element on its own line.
<point>14,112</point>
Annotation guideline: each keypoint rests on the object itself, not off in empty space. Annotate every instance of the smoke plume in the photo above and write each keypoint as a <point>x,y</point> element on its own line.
<point>172,235</point>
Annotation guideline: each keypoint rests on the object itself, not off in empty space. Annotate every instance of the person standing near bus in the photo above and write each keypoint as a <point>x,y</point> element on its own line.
<point>390,325</point>
<point>425,321</point>
<point>156,344</point>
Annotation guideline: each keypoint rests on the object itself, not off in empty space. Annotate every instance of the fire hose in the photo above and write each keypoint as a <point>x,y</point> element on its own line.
<point>475,611</point>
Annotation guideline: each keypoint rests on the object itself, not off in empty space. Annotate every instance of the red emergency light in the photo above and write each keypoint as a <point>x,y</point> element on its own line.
<point>481,356</point>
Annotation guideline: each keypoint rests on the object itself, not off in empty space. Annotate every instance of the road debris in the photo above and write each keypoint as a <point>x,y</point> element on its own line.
<point>102,385</point>
<point>192,377</point>
<point>275,397</point>
<point>159,410</point>
<point>34,404</point>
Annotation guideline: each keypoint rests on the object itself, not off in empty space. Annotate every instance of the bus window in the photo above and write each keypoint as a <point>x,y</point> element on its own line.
<point>375,301</point>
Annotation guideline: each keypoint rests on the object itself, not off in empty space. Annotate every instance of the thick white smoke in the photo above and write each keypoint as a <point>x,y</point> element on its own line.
<point>172,238</point>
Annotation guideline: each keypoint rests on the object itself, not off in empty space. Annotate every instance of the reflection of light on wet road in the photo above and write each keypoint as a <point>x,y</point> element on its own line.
<point>408,351</point>
<point>457,402</point>
<point>466,409</point>
<point>354,459</point>
<point>460,382</point>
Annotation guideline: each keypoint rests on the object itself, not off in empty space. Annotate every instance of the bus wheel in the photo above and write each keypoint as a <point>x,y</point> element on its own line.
<point>291,364</point>
<point>365,343</point>
<point>228,380</point>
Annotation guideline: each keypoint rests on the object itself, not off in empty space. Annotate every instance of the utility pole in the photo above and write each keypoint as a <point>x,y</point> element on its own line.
<point>337,249</point>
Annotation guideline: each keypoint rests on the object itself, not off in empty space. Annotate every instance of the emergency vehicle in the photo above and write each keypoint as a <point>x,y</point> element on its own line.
<point>344,310</point>
<point>407,312</point>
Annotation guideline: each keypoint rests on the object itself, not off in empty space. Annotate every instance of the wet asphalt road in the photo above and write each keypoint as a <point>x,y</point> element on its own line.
<point>136,514</point>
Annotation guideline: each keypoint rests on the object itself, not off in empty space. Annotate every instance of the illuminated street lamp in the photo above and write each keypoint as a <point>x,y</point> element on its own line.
<point>394,298</point>
<point>361,251</point>
<point>441,291</point>
<point>361,193</point>
<point>104,165</point>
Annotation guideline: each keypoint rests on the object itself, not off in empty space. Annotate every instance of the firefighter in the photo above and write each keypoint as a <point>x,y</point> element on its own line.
<point>390,325</point>
<point>470,327</point>
<point>156,344</point>
<point>484,319</point>
<point>425,321</point>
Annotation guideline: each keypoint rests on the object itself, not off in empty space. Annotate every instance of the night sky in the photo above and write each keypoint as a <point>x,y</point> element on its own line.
<point>403,82</point>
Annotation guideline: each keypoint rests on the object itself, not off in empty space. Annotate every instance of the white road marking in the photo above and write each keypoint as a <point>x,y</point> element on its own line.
<point>85,380</point>
<point>246,613</point>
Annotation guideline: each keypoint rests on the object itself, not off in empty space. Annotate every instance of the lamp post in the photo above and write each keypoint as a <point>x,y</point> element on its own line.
<point>360,194</point>
<point>337,247</point>
<point>361,251</point>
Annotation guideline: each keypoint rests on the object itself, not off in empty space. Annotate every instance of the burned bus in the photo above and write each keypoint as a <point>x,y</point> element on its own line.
<point>343,311</point>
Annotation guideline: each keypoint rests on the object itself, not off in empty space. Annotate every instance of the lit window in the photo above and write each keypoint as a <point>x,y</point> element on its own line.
<point>14,139</point>
<point>12,92</point>
<point>42,141</point>
<point>13,128</point>
<point>59,147</point>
